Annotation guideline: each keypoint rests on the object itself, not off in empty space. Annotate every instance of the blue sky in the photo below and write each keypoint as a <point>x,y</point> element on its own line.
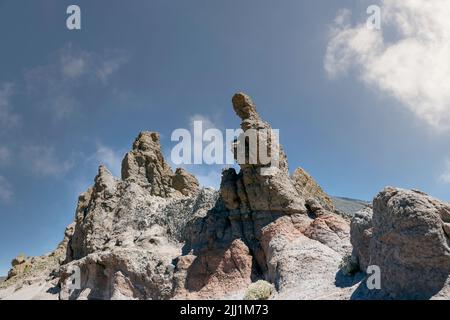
<point>70,100</point>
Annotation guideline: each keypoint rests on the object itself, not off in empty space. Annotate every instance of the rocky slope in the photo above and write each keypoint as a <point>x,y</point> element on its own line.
<point>349,207</point>
<point>154,233</point>
<point>35,277</point>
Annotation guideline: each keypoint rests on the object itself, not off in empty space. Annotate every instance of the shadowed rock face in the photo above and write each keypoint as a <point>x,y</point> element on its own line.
<point>260,192</point>
<point>113,209</point>
<point>154,234</point>
<point>361,234</point>
<point>128,231</point>
<point>406,237</point>
<point>146,166</point>
<point>266,215</point>
<point>308,188</point>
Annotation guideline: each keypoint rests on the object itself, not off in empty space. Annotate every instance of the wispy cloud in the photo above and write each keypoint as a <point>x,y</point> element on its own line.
<point>54,86</point>
<point>207,122</point>
<point>412,65</point>
<point>74,64</point>
<point>5,155</point>
<point>6,192</point>
<point>43,161</point>
<point>445,176</point>
<point>110,65</point>
<point>210,179</point>
<point>109,157</point>
<point>8,118</point>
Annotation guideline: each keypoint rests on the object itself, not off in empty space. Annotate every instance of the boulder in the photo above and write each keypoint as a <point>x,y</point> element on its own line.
<point>146,166</point>
<point>308,188</point>
<point>407,242</point>
<point>155,234</point>
<point>273,191</point>
<point>360,236</point>
<point>287,235</point>
<point>185,182</point>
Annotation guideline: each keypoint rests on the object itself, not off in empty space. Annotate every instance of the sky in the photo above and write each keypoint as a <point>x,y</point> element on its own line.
<point>358,108</point>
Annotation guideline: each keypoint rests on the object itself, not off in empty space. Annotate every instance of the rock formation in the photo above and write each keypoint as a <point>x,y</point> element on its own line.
<point>308,188</point>
<point>155,234</point>
<point>128,232</point>
<point>37,277</point>
<point>407,238</point>
<point>268,220</point>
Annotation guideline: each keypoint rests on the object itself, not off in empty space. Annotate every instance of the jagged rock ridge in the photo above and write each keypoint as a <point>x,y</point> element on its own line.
<point>155,234</point>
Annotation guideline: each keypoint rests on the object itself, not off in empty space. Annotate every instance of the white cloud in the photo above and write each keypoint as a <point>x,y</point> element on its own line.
<point>44,162</point>
<point>6,192</point>
<point>408,59</point>
<point>206,123</point>
<point>109,66</point>
<point>73,62</point>
<point>5,155</point>
<point>8,119</point>
<point>73,67</point>
<point>55,85</point>
<point>210,179</point>
<point>110,158</point>
<point>445,176</point>
<point>61,105</point>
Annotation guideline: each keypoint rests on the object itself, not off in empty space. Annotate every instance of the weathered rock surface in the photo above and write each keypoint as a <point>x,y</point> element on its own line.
<point>272,224</point>
<point>129,231</point>
<point>406,238</point>
<point>361,235</point>
<point>274,191</point>
<point>155,234</point>
<point>35,278</point>
<point>308,188</point>
<point>145,165</point>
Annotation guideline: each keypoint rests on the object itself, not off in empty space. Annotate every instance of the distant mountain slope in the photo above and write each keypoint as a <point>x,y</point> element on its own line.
<point>2,279</point>
<point>348,206</point>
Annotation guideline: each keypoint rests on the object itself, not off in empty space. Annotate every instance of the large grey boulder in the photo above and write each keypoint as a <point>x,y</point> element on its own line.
<point>408,242</point>
<point>293,243</point>
<point>155,234</point>
<point>128,231</point>
<point>308,188</point>
<point>274,191</point>
<point>361,235</point>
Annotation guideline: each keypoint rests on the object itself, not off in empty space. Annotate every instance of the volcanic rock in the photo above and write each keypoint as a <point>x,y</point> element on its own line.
<point>155,234</point>
<point>407,241</point>
<point>287,242</point>
<point>308,188</point>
